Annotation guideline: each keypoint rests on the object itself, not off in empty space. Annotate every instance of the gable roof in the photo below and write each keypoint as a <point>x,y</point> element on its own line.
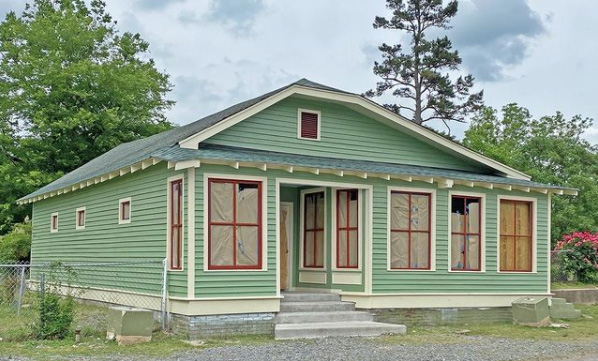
<point>138,152</point>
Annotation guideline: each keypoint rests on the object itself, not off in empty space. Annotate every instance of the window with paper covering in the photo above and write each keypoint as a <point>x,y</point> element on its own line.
<point>410,230</point>
<point>313,230</point>
<point>347,228</point>
<point>466,226</point>
<point>309,125</point>
<point>516,232</point>
<point>235,224</point>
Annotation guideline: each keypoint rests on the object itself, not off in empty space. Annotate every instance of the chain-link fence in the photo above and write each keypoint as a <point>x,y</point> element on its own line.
<point>139,284</point>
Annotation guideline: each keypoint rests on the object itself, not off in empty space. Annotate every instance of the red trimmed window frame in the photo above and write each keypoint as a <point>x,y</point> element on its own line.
<point>314,230</point>
<point>515,236</point>
<point>348,228</point>
<point>176,225</point>
<point>465,234</point>
<point>235,224</point>
<point>410,231</point>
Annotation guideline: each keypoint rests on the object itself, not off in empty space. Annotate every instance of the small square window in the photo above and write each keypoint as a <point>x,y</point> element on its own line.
<point>80,220</point>
<point>54,222</point>
<point>308,124</point>
<point>124,211</point>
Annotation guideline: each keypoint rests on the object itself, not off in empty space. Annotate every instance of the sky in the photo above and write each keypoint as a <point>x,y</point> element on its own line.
<point>538,53</point>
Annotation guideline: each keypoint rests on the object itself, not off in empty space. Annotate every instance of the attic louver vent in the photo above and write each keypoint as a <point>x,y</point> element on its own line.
<point>309,125</point>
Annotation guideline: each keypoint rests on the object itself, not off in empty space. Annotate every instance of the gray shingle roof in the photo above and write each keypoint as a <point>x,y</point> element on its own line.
<point>212,152</point>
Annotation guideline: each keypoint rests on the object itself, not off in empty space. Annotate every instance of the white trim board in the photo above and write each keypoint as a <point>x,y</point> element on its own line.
<point>363,105</point>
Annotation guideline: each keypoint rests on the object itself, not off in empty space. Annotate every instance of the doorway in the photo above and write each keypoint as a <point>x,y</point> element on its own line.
<point>286,234</point>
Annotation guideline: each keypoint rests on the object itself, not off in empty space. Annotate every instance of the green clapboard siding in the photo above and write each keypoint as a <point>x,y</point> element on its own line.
<point>345,134</point>
<point>104,240</point>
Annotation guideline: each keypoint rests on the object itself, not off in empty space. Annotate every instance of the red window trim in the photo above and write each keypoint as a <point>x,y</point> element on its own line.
<point>176,225</point>
<point>235,224</point>
<point>309,128</point>
<point>314,230</point>
<point>466,234</point>
<point>348,228</point>
<point>515,235</point>
<point>409,231</point>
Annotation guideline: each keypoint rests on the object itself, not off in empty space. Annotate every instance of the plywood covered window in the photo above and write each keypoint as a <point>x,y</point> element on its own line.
<point>410,230</point>
<point>466,226</point>
<point>54,222</point>
<point>347,228</point>
<point>516,235</point>
<point>313,230</point>
<point>309,124</point>
<point>176,224</point>
<point>80,218</point>
<point>235,224</point>
<point>124,211</point>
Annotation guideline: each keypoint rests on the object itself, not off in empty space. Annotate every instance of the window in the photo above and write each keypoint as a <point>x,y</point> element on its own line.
<point>347,228</point>
<point>234,224</point>
<point>54,222</point>
<point>516,244</point>
<point>466,226</point>
<point>313,230</point>
<point>176,224</point>
<point>124,211</point>
<point>410,230</point>
<point>309,124</point>
<point>80,218</point>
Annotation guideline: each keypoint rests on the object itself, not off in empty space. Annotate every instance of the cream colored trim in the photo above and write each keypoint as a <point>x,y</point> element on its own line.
<point>264,180</point>
<point>120,216</point>
<point>299,111</point>
<point>52,229</point>
<point>346,278</point>
<point>77,226</point>
<point>224,306</point>
<point>549,245</point>
<point>432,193</point>
<point>302,195</point>
<point>436,300</point>
<point>367,106</point>
<point>482,196</point>
<point>180,176</point>
<point>310,276</point>
<point>190,232</point>
<point>360,232</point>
<point>290,232</point>
<point>534,202</point>
<point>277,233</point>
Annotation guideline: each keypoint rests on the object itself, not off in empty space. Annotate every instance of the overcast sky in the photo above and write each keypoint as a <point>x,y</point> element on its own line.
<point>539,53</point>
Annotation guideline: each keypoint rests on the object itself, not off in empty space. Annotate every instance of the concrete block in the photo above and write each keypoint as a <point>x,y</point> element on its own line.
<point>531,311</point>
<point>129,325</point>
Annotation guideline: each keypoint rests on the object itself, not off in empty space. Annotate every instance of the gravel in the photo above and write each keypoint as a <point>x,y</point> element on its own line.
<point>473,348</point>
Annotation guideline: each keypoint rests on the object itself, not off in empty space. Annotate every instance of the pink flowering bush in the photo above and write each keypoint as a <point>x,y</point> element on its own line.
<point>577,255</point>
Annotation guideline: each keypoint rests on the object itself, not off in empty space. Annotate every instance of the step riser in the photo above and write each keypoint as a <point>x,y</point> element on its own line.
<point>311,297</point>
<point>343,332</point>
<point>316,307</point>
<point>323,317</point>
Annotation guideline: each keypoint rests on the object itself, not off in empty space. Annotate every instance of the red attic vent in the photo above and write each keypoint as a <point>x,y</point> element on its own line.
<point>309,125</point>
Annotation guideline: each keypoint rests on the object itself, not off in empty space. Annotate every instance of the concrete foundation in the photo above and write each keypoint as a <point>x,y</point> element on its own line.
<point>531,311</point>
<point>129,325</point>
<point>443,316</point>
<point>223,325</point>
<point>589,295</point>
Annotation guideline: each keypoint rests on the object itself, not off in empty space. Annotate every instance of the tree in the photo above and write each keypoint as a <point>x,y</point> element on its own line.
<point>71,88</point>
<point>16,245</point>
<point>551,150</point>
<point>416,74</point>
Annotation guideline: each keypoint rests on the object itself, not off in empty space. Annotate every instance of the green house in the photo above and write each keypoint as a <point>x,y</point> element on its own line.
<point>306,188</point>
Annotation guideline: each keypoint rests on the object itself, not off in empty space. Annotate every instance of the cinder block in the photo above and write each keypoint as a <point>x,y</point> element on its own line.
<point>531,311</point>
<point>129,325</point>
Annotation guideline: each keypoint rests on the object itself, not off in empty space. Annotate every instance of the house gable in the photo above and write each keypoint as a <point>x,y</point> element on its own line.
<point>344,134</point>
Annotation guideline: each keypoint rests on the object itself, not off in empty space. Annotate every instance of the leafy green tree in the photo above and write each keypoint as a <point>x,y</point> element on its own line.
<point>16,245</point>
<point>551,150</point>
<point>416,74</point>
<point>72,87</point>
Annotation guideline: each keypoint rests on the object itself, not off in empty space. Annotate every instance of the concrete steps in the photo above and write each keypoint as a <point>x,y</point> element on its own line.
<point>560,309</point>
<point>315,315</point>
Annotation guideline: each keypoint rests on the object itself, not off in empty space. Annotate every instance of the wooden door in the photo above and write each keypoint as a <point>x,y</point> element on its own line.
<point>284,247</point>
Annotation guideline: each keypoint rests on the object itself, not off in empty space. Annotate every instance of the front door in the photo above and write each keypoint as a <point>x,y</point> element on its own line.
<point>285,238</point>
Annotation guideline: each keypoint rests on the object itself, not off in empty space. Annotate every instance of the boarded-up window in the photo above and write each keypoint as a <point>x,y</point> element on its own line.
<point>466,225</point>
<point>347,229</point>
<point>124,211</point>
<point>54,222</point>
<point>313,230</point>
<point>80,220</point>
<point>516,236</point>
<point>235,224</point>
<point>309,125</point>
<point>176,224</point>
<point>410,230</point>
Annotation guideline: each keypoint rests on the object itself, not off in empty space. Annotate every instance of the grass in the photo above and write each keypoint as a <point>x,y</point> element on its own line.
<point>18,341</point>
<point>572,285</point>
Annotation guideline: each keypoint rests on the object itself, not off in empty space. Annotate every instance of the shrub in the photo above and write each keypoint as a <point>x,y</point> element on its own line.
<point>56,311</point>
<point>577,255</point>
